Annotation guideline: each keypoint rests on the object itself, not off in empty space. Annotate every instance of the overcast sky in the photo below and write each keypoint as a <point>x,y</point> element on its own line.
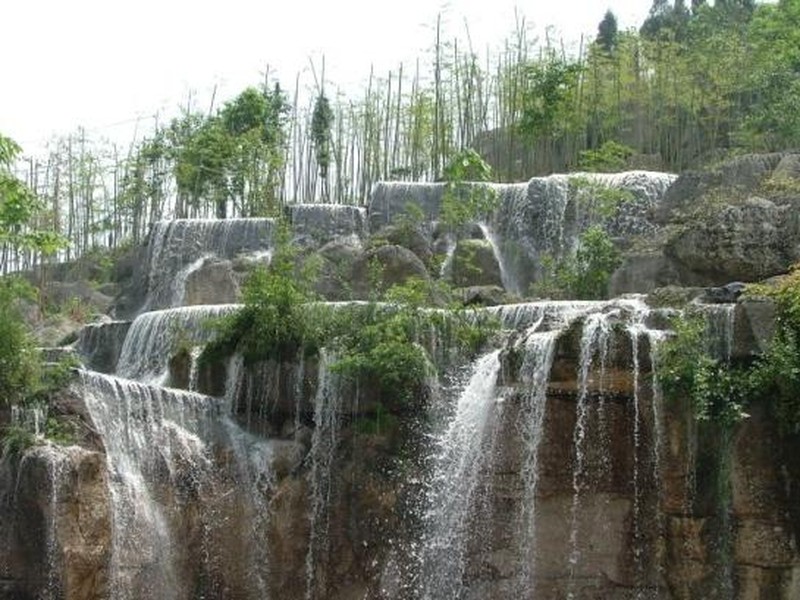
<point>97,63</point>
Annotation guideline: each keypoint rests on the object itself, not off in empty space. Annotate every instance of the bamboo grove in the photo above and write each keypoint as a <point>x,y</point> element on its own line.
<point>691,86</point>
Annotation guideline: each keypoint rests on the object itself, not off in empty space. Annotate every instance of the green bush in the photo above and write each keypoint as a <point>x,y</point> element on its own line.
<point>467,198</point>
<point>583,276</point>
<point>716,391</point>
<point>20,361</point>
<point>610,157</point>
<point>380,345</point>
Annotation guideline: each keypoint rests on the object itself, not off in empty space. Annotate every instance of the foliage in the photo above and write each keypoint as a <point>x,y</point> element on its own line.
<point>382,345</point>
<point>466,197</point>
<point>19,206</point>
<point>607,32</point>
<point>610,157</point>
<point>583,276</point>
<point>775,376</point>
<point>550,87</point>
<point>275,322</point>
<point>16,439</point>
<point>383,352</point>
<point>20,363</point>
<point>716,391</point>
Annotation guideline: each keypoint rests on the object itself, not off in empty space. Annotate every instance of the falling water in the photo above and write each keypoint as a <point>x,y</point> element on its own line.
<point>596,330</point>
<point>327,221</point>
<point>327,406</point>
<point>458,466</point>
<point>720,330</point>
<point>155,335</point>
<point>179,245</point>
<point>534,374</point>
<point>57,463</point>
<point>150,433</point>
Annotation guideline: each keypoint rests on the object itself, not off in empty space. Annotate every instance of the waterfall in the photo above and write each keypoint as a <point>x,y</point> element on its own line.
<point>458,465</point>
<point>180,245</point>
<point>539,349</point>
<point>177,503</point>
<point>154,336</point>
<point>153,437</point>
<point>327,406</point>
<point>546,215</point>
<point>327,221</point>
<point>594,337</point>
<point>720,323</point>
<point>508,284</point>
<point>99,344</point>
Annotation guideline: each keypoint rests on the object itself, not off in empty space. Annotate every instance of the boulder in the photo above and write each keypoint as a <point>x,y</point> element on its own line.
<point>475,264</point>
<point>213,283</point>
<point>381,268</point>
<point>643,273</point>
<point>483,295</point>
<point>747,242</point>
<point>335,275</point>
<point>414,238</point>
<point>735,178</point>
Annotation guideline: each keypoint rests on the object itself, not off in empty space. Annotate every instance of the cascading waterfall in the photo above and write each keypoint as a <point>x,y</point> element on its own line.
<point>458,465</point>
<point>596,330</point>
<point>545,216</point>
<point>150,434</point>
<point>154,336</point>
<point>179,245</point>
<point>328,221</point>
<point>327,408</point>
<point>539,348</point>
<point>99,344</point>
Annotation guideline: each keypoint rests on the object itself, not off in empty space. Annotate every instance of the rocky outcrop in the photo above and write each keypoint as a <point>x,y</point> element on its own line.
<point>385,266</point>
<point>748,242</point>
<point>214,282</point>
<point>475,264</point>
<point>737,221</point>
<point>55,523</point>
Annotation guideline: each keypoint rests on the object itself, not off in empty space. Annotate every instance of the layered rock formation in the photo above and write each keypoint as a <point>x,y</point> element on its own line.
<point>548,465</point>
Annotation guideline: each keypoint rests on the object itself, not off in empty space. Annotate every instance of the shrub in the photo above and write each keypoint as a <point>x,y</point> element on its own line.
<point>610,157</point>
<point>716,390</point>
<point>583,276</point>
<point>20,361</point>
<point>467,198</point>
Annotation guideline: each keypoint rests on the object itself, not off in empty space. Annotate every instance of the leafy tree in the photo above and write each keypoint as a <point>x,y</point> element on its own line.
<point>607,32</point>
<point>19,207</point>
<point>20,364</point>
<point>549,87</point>
<point>321,137</point>
<point>467,198</point>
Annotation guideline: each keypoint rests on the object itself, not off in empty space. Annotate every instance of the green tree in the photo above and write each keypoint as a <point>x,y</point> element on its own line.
<point>607,32</point>
<point>19,207</point>
<point>321,137</point>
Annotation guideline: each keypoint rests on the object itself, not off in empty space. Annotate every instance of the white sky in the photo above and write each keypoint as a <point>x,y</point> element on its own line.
<point>97,63</point>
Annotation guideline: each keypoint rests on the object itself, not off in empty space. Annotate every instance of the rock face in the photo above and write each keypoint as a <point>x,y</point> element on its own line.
<point>56,525</point>
<point>213,283</point>
<point>752,241</point>
<point>738,221</point>
<point>546,466</point>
